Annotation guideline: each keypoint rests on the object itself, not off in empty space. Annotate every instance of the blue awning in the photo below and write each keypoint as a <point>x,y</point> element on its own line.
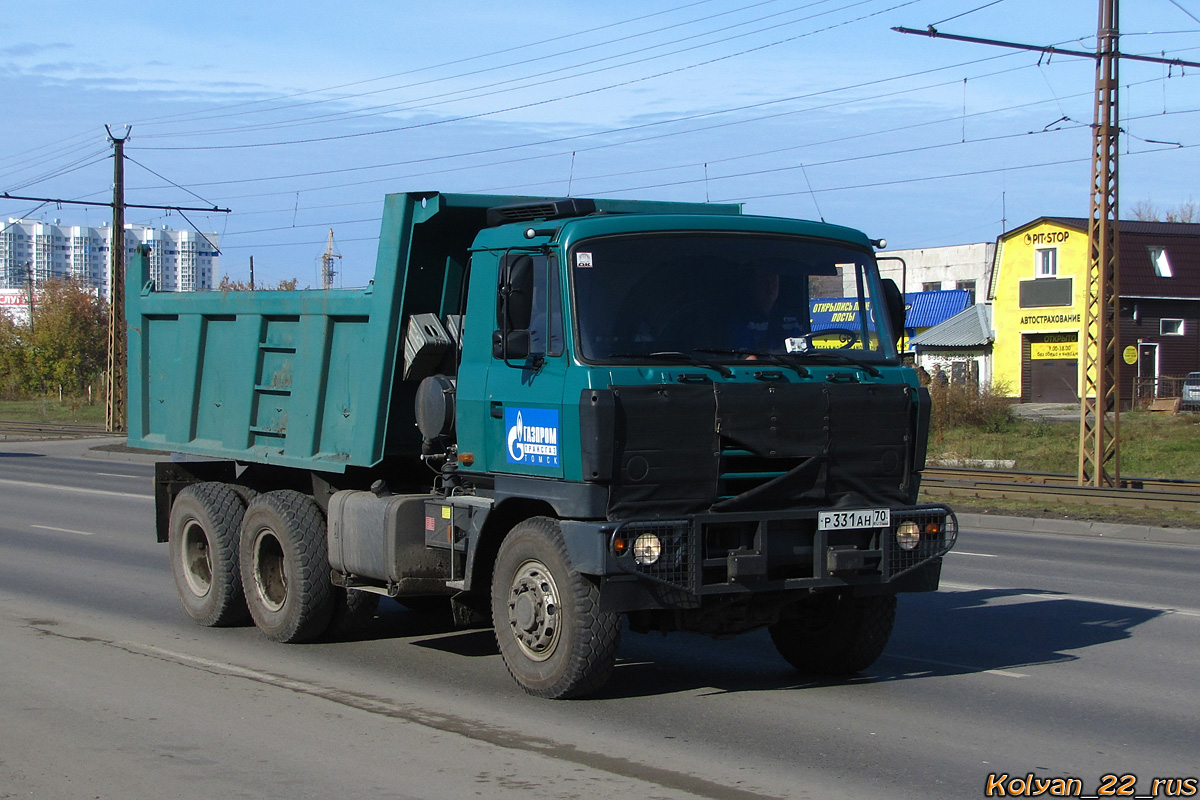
<point>922,309</point>
<point>926,309</point>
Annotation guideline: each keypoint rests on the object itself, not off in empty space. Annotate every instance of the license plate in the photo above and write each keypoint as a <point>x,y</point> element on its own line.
<point>854,518</point>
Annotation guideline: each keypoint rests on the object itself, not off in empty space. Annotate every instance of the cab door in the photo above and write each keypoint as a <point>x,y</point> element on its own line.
<point>528,367</point>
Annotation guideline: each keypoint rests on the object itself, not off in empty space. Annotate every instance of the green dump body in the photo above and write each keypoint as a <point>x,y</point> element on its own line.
<point>308,379</point>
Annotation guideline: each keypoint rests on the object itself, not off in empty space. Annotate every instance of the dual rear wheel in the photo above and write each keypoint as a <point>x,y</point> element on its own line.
<point>239,556</point>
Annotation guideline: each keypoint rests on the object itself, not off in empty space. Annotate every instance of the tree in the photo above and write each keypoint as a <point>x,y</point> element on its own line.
<point>65,347</point>
<point>1146,211</point>
<point>13,369</point>
<point>226,285</point>
<point>69,336</point>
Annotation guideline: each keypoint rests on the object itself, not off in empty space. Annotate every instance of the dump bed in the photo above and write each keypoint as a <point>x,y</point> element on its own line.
<point>307,378</point>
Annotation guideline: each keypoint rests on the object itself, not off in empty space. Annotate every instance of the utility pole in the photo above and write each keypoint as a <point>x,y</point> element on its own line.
<point>1099,439</point>
<point>29,291</point>
<point>1099,457</point>
<point>114,413</point>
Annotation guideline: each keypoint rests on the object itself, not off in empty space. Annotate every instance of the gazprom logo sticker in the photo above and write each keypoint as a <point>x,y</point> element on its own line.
<point>532,436</point>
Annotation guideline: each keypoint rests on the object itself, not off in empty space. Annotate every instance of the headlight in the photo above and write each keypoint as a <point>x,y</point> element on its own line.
<point>647,549</point>
<point>908,535</point>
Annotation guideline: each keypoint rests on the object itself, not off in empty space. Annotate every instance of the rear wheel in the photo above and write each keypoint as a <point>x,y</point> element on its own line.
<point>554,639</point>
<point>203,537</point>
<point>836,634</point>
<point>285,566</point>
<point>353,613</point>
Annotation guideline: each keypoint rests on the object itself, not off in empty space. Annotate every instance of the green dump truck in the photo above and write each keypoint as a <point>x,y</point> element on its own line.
<point>549,415</point>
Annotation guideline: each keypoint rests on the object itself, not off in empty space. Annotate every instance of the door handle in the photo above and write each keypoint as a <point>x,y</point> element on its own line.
<point>497,409</point>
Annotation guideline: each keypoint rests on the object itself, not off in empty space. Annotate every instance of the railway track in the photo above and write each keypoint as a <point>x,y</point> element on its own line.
<point>936,482</point>
<point>48,430</point>
<point>1178,495</point>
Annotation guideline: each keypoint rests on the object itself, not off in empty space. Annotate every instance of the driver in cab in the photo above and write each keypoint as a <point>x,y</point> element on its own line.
<point>760,324</point>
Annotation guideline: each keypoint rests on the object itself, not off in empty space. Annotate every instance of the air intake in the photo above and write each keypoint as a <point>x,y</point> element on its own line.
<point>543,210</point>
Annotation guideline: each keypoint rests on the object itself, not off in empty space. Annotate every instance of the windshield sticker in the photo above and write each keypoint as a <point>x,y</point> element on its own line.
<point>796,345</point>
<point>583,260</point>
<point>532,436</point>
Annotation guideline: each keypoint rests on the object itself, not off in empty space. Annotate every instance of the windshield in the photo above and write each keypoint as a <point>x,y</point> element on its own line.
<point>726,296</point>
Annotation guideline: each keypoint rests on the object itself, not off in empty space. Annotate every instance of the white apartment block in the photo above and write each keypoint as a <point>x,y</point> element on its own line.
<point>180,261</point>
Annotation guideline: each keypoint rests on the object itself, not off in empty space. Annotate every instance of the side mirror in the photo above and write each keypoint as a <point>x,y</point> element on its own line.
<point>893,301</point>
<point>514,308</point>
<point>514,311</point>
<point>512,345</point>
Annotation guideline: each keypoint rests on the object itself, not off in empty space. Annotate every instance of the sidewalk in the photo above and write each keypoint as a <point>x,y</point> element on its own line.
<point>1072,527</point>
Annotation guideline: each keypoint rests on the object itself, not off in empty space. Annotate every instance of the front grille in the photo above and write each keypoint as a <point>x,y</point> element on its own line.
<point>739,471</point>
<point>931,545</point>
<point>676,565</point>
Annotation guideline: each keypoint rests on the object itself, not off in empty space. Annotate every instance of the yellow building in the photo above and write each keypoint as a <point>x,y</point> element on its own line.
<point>1037,306</point>
<point>1037,293</point>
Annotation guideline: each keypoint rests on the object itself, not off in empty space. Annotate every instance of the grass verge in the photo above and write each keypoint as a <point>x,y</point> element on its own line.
<point>52,410</point>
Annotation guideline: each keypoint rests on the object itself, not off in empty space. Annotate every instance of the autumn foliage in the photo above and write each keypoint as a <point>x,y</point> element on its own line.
<point>64,350</point>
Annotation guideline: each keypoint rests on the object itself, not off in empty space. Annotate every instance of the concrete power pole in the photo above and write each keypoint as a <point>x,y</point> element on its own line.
<point>1099,434</point>
<point>114,413</point>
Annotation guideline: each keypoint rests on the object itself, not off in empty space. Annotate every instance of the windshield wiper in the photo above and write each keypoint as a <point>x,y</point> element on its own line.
<point>676,355</point>
<point>837,358</point>
<point>774,358</point>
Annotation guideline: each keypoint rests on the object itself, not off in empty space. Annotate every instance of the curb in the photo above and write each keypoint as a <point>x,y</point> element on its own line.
<point>1071,527</point>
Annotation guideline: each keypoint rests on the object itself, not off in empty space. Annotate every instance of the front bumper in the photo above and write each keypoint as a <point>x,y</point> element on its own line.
<point>715,554</point>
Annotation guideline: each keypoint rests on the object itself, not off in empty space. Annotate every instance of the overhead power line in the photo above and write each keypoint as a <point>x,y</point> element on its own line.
<point>540,102</point>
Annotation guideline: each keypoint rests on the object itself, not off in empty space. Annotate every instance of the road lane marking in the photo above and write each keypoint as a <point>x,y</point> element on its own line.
<point>1005,673</point>
<point>62,530</point>
<point>119,475</point>
<point>968,553</point>
<point>1053,595</point>
<point>75,489</point>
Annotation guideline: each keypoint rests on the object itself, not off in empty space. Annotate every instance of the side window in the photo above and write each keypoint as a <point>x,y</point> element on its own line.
<point>528,302</point>
<point>546,328</point>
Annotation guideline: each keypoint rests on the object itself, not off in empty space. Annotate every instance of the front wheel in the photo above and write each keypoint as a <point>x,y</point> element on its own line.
<point>285,566</point>
<point>836,634</point>
<point>554,639</point>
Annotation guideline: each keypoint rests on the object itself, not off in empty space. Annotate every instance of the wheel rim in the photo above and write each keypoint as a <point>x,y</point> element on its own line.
<point>534,611</point>
<point>270,579</point>
<point>197,559</point>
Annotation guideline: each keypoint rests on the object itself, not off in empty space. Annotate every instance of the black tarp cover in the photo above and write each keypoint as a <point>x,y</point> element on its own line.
<point>840,444</point>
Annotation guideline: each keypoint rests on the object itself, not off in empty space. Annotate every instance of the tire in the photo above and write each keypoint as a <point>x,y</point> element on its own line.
<point>285,567</point>
<point>552,636</point>
<point>836,634</point>
<point>203,537</point>
<point>245,492</point>
<point>353,613</point>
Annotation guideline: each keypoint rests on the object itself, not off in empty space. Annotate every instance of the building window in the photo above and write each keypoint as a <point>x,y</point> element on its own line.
<point>1170,327</point>
<point>1162,264</point>
<point>1047,262</point>
<point>970,287</point>
<point>935,286</point>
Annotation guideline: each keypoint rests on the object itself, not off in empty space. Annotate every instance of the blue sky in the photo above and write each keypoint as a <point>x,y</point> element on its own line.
<point>300,117</point>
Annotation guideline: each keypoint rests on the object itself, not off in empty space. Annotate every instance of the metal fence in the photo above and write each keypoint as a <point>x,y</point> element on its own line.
<point>1147,390</point>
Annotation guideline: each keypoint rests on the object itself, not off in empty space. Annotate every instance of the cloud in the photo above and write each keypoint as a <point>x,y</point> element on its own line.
<point>26,49</point>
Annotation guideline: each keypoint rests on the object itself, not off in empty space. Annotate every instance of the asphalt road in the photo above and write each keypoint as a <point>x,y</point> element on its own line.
<point>1060,656</point>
